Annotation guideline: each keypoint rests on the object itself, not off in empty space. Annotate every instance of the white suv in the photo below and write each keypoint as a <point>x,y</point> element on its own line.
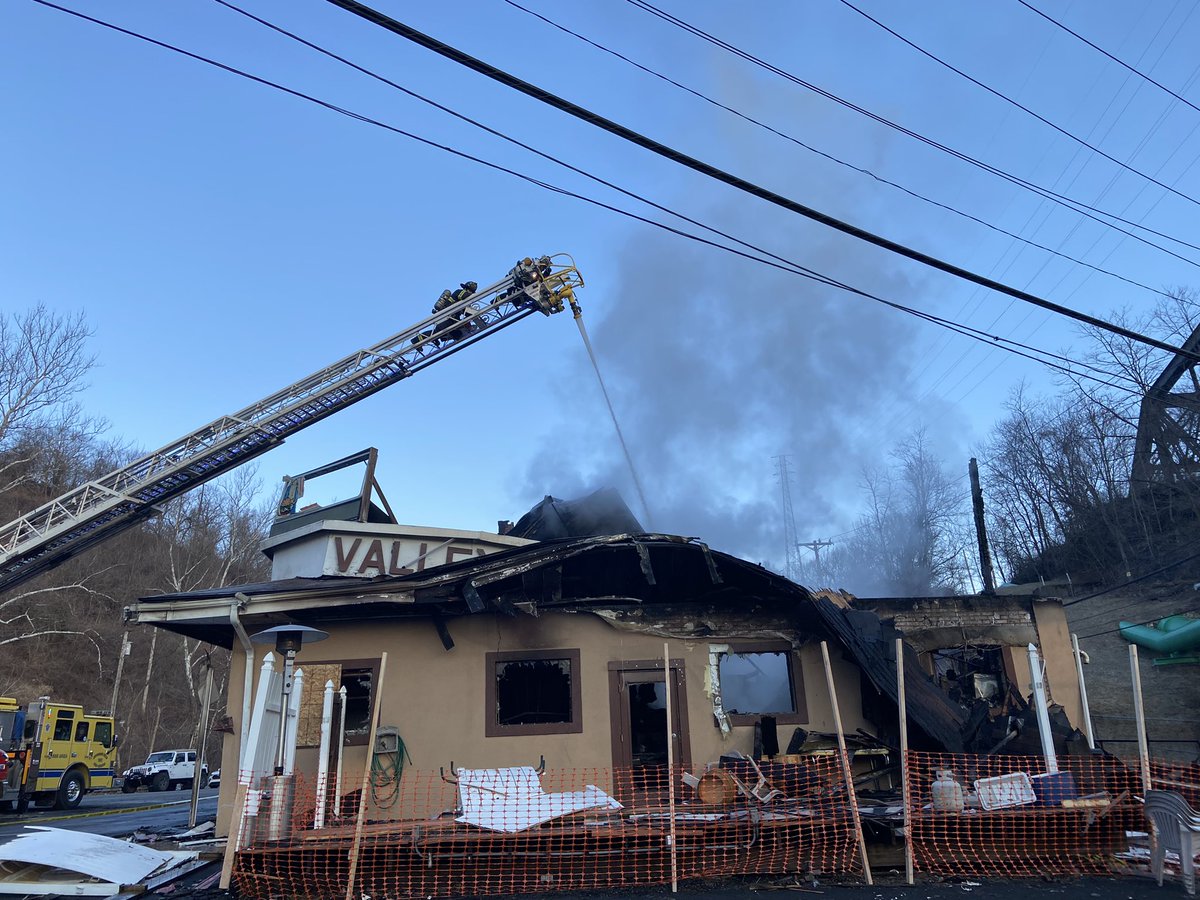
<point>165,770</point>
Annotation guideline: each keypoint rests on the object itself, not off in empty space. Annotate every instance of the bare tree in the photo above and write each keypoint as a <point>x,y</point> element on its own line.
<point>43,363</point>
<point>910,540</point>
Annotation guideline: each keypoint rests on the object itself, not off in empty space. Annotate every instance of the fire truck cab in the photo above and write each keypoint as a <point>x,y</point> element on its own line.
<point>54,754</point>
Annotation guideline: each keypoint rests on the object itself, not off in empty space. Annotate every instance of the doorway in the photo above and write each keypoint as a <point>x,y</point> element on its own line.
<point>638,710</point>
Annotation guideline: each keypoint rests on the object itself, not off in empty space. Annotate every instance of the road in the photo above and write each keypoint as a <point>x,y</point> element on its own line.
<point>116,815</point>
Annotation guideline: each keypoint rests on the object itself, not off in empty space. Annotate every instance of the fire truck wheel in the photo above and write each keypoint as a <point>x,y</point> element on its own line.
<point>70,791</point>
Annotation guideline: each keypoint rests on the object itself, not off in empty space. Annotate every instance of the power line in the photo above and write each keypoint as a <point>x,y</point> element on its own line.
<point>1147,622</point>
<point>787,265</point>
<point>676,156</point>
<point>783,264</point>
<point>823,154</point>
<point>1119,62</point>
<point>991,90</point>
<point>1137,580</point>
<point>1077,206</point>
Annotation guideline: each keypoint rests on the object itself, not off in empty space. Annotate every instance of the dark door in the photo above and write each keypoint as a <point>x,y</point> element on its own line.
<point>638,705</point>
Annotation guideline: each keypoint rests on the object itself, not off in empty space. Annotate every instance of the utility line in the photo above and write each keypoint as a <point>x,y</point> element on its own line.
<point>784,265</point>
<point>1046,193</point>
<point>676,156</point>
<point>829,156</point>
<point>1147,622</point>
<point>788,265</point>
<point>1119,62</point>
<point>991,90</point>
<point>1137,580</point>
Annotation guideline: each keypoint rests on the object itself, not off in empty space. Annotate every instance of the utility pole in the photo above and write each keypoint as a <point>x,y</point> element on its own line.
<point>816,547</point>
<point>792,556</point>
<point>985,556</point>
<point>125,648</point>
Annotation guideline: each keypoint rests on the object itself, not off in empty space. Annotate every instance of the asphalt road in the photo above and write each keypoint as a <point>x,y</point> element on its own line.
<point>116,815</point>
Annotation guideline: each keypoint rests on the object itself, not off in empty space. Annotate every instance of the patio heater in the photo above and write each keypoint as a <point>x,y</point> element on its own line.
<point>288,639</point>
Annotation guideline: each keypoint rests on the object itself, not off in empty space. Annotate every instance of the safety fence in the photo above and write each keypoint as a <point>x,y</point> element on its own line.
<point>519,830</point>
<point>1181,777</point>
<point>509,831</point>
<point>1011,817</point>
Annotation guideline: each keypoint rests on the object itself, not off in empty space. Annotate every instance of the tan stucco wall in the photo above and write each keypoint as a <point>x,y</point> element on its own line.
<point>436,697</point>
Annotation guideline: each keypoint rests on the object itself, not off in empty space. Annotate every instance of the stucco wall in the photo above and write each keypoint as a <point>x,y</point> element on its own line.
<point>436,697</point>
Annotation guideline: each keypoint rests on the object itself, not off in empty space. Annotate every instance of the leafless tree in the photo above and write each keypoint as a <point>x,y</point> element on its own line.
<point>910,540</point>
<point>43,364</point>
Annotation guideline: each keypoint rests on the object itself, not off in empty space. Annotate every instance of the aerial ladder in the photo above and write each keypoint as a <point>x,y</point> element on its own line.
<point>100,509</point>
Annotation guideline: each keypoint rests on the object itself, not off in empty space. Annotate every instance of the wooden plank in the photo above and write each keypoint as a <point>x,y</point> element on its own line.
<point>365,790</point>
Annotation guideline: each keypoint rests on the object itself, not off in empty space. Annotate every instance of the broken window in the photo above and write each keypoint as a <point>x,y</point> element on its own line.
<point>761,678</point>
<point>533,692</point>
<point>360,689</point>
<point>971,673</point>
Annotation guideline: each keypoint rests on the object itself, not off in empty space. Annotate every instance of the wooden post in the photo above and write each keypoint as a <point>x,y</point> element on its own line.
<point>1139,714</point>
<point>845,757</point>
<point>905,791</point>
<point>234,841</point>
<point>670,766</point>
<point>356,845</point>
<point>1083,700</point>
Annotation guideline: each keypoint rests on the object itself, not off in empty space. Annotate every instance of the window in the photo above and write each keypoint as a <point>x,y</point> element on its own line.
<point>179,757</point>
<point>62,729</point>
<point>358,677</point>
<point>360,689</point>
<point>533,692</point>
<point>81,731</point>
<point>103,734</point>
<point>191,756</point>
<point>762,678</point>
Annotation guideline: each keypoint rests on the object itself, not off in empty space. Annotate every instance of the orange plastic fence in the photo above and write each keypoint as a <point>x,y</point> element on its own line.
<point>1027,831</point>
<point>425,836</point>
<point>415,844</point>
<point>1183,778</point>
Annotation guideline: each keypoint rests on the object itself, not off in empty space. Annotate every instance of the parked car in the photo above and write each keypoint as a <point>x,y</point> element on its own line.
<point>214,780</point>
<point>165,770</point>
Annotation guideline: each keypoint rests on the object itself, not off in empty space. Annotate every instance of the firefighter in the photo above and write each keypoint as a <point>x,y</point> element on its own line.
<point>447,330</point>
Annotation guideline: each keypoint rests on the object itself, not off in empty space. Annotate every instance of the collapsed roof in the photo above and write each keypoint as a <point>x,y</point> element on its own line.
<point>662,584</point>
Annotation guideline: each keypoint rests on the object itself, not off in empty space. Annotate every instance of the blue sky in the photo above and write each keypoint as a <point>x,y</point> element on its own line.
<point>225,239</point>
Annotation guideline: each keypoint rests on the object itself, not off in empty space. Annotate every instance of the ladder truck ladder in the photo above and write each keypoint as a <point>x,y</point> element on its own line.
<point>100,509</point>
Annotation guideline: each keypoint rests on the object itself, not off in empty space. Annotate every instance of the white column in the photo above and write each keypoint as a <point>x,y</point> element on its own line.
<point>323,759</point>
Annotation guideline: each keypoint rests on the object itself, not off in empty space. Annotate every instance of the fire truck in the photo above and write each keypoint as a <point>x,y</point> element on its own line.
<point>52,754</point>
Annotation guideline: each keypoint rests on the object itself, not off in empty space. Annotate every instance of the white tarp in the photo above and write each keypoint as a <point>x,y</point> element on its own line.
<point>512,799</point>
<point>72,862</point>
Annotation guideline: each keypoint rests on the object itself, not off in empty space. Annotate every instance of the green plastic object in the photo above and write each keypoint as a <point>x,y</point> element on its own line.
<point>1173,635</point>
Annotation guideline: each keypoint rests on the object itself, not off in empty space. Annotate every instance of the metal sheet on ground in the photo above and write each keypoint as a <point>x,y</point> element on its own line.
<point>73,862</point>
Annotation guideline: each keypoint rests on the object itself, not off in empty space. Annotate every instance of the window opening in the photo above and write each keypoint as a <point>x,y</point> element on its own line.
<point>103,733</point>
<point>756,683</point>
<point>971,673</point>
<point>359,685</point>
<point>62,729</point>
<point>533,692</point>
<point>81,731</point>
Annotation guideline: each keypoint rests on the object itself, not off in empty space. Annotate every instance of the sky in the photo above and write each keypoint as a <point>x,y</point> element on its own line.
<point>226,239</point>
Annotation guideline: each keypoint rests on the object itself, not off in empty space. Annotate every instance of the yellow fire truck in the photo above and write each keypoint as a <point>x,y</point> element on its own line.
<point>52,754</point>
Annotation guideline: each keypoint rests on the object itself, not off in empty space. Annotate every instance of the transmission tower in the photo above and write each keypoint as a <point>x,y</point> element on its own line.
<point>783,472</point>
